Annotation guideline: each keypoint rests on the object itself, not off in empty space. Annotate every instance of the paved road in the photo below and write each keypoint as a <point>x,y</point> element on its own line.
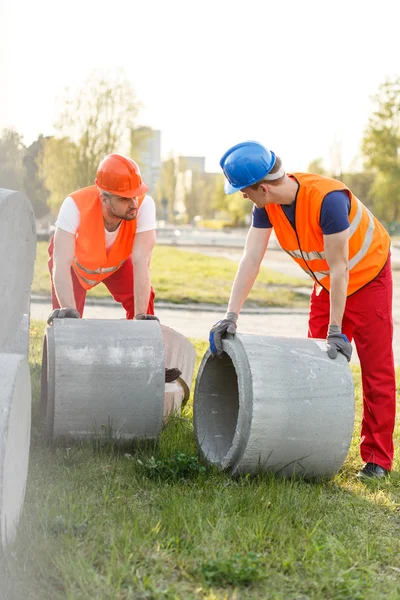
<point>196,323</point>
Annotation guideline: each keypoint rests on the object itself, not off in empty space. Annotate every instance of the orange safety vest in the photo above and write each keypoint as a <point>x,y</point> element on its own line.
<point>369,242</point>
<point>92,263</point>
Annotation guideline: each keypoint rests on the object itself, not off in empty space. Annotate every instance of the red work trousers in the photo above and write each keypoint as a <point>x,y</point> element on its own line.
<point>120,285</point>
<point>368,319</point>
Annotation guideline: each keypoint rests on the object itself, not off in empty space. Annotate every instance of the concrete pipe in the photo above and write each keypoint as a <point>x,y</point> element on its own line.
<point>15,427</point>
<point>103,378</point>
<point>274,404</point>
<point>19,343</point>
<point>180,353</point>
<point>17,258</point>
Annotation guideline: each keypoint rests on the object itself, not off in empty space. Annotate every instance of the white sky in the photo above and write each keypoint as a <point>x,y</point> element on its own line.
<point>292,74</point>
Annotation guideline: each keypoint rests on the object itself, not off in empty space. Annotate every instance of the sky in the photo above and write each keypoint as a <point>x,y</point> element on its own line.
<point>297,76</point>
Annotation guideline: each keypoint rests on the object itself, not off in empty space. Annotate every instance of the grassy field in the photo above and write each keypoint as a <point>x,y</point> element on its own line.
<point>182,277</point>
<point>152,523</point>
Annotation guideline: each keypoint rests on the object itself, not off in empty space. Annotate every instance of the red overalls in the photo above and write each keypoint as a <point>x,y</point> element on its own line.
<point>368,319</point>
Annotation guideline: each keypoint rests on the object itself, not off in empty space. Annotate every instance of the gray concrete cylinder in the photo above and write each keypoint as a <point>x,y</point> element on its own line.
<point>19,342</point>
<point>15,427</point>
<point>17,258</point>
<point>103,378</point>
<point>274,404</point>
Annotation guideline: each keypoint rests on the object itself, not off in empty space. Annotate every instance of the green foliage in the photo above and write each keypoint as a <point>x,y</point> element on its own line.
<point>199,199</point>
<point>95,120</point>
<point>236,208</point>
<point>317,166</point>
<point>239,570</point>
<point>34,184</point>
<point>361,184</point>
<point>179,466</point>
<point>11,160</point>
<point>381,148</point>
<point>19,169</point>
<point>58,165</point>
<point>166,186</point>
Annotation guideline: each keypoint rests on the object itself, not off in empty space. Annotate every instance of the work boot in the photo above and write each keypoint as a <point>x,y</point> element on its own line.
<point>172,375</point>
<point>372,471</point>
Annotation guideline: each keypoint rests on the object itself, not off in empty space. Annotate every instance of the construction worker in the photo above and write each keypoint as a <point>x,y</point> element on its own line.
<point>106,232</point>
<point>346,251</point>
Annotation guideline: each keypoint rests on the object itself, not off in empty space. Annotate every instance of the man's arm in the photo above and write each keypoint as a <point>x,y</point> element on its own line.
<point>337,257</point>
<point>249,266</point>
<point>141,255</point>
<point>64,252</point>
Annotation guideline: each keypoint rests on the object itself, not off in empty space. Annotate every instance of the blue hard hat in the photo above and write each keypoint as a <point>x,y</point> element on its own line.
<point>245,164</point>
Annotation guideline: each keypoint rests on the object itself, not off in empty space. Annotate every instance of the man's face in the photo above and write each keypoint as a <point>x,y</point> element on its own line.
<point>260,197</point>
<point>122,208</point>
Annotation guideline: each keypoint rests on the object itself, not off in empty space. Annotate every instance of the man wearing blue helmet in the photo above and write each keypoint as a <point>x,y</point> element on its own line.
<point>346,251</point>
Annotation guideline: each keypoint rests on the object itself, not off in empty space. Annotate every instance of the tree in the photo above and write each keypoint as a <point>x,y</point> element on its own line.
<point>361,184</point>
<point>316,166</point>
<point>11,160</point>
<point>198,199</point>
<point>237,208</point>
<point>96,120</point>
<point>33,181</point>
<point>381,149</point>
<point>166,187</point>
<point>57,166</point>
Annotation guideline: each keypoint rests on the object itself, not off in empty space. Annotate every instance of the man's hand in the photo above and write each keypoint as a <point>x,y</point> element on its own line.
<point>338,342</point>
<point>63,313</point>
<point>143,317</point>
<point>220,329</point>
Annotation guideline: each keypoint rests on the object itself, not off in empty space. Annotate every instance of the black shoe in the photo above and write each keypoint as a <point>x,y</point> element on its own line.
<point>372,471</point>
<point>172,375</point>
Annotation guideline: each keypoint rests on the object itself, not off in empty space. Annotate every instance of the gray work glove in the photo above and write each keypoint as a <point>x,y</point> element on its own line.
<point>63,313</point>
<point>338,342</point>
<point>220,329</point>
<point>143,317</point>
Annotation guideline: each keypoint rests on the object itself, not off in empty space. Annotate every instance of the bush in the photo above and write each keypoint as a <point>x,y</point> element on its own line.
<point>177,467</point>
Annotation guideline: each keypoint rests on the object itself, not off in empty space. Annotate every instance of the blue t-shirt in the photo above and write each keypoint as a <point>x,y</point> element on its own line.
<point>335,212</point>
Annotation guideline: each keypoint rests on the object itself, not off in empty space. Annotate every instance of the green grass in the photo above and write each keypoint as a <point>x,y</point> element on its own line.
<point>184,277</point>
<point>152,523</point>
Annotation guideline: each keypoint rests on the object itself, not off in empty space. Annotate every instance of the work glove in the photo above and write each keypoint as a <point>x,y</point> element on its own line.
<point>338,342</point>
<point>220,329</point>
<point>143,317</point>
<point>63,313</point>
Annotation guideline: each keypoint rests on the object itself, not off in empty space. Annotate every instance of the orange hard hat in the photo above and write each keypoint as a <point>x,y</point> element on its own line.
<point>121,176</point>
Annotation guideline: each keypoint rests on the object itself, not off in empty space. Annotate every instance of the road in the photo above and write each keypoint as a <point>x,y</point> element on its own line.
<point>196,323</point>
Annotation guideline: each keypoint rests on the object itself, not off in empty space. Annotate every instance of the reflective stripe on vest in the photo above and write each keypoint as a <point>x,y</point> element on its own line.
<point>369,234</point>
<point>99,270</point>
<point>314,255</point>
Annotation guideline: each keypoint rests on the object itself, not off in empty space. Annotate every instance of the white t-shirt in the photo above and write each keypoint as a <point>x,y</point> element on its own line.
<point>69,219</point>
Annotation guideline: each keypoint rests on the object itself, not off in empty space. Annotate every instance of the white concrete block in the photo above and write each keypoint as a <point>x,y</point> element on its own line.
<point>17,258</point>
<point>15,422</point>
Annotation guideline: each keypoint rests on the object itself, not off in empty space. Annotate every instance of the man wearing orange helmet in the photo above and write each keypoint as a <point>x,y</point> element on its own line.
<point>105,232</point>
